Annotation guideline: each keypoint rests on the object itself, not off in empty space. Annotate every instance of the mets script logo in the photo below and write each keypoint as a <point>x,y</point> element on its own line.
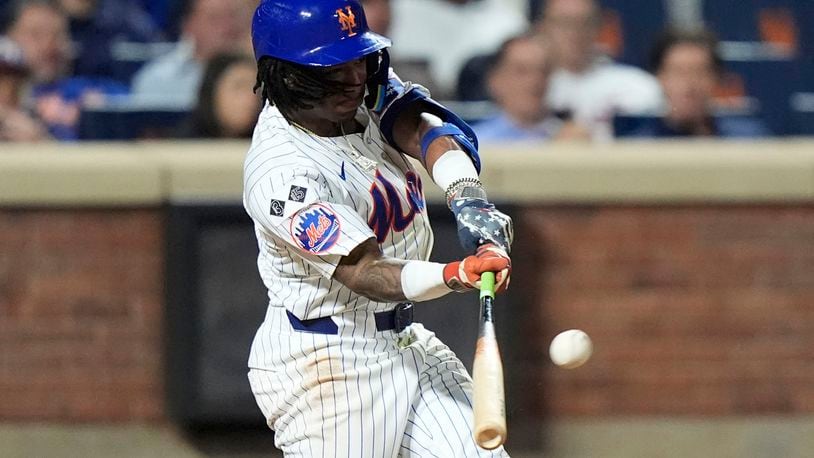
<point>315,229</point>
<point>388,208</point>
<point>347,20</point>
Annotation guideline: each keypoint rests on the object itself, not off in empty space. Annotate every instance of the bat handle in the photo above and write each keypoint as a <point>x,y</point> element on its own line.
<point>487,285</point>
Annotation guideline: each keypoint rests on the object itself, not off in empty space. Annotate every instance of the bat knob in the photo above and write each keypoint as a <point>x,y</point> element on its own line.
<point>490,437</point>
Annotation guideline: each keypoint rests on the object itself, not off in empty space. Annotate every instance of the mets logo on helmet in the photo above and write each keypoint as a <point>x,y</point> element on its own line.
<point>347,20</point>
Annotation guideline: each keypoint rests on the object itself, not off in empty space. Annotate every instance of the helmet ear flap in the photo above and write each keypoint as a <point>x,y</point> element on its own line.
<point>374,63</point>
<point>378,73</point>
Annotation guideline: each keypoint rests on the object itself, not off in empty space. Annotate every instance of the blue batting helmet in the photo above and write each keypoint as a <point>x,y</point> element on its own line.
<point>313,32</point>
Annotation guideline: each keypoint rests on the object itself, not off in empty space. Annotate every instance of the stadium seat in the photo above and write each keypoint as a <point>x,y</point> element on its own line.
<point>119,123</point>
<point>755,29</point>
<point>624,125</point>
<point>802,109</point>
<point>767,43</point>
<point>772,84</point>
<point>805,16</point>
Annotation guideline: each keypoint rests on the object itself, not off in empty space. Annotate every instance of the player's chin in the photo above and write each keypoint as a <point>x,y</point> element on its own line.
<point>345,107</point>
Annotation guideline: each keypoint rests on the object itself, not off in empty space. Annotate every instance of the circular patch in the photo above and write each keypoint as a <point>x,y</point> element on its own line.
<point>315,229</point>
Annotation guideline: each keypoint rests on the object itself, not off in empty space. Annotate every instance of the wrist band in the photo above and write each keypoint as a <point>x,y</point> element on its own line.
<point>451,166</point>
<point>423,281</point>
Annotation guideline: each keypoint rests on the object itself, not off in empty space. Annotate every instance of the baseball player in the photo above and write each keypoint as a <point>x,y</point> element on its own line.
<point>337,367</point>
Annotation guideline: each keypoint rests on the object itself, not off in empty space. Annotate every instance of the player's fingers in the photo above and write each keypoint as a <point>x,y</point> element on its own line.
<point>502,279</point>
<point>492,265</point>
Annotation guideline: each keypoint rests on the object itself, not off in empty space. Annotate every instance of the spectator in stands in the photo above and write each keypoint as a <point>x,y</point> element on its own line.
<point>96,26</point>
<point>227,106</point>
<point>688,67</point>
<point>40,28</point>
<point>15,123</point>
<point>445,34</point>
<point>517,82</point>
<point>209,27</point>
<point>591,87</point>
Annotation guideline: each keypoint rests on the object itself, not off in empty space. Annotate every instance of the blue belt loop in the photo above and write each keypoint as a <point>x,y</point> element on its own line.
<point>397,319</point>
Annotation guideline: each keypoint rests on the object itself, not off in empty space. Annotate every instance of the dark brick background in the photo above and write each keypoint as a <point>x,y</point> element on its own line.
<point>693,311</point>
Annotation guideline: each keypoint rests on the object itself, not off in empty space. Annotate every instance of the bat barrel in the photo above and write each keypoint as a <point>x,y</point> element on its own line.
<point>489,398</point>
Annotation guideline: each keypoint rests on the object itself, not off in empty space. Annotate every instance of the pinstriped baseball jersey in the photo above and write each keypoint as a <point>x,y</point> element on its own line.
<point>312,203</point>
<point>355,391</point>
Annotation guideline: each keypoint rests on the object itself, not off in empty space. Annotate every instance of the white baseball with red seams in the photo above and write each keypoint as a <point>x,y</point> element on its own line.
<point>571,349</point>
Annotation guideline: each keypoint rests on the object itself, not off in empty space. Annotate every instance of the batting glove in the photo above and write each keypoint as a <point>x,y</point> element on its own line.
<point>465,275</point>
<point>479,223</point>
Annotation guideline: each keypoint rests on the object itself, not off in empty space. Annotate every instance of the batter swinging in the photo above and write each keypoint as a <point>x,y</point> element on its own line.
<point>337,367</point>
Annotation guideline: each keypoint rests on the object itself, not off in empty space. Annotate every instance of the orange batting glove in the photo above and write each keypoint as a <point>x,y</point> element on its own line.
<point>464,275</point>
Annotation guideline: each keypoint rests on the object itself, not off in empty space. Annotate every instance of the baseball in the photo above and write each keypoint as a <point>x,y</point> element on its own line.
<point>570,349</point>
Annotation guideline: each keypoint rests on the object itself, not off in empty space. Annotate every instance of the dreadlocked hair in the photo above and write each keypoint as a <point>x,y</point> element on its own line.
<point>292,87</point>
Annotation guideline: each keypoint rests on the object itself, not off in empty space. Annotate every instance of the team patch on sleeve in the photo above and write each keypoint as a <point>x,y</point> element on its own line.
<point>315,229</point>
<point>297,193</point>
<point>277,207</point>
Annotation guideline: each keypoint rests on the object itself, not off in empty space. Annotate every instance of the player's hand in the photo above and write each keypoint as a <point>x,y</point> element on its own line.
<point>479,222</point>
<point>464,275</point>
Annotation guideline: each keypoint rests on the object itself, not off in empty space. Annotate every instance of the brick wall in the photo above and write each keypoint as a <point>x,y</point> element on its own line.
<point>80,315</point>
<point>693,310</point>
<point>704,311</point>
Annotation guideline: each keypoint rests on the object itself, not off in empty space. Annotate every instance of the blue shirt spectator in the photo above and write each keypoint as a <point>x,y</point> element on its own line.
<point>517,81</point>
<point>209,27</point>
<point>40,29</point>
<point>502,128</point>
<point>59,104</point>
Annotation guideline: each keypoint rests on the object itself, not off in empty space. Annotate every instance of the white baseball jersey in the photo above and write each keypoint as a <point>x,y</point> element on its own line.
<point>353,391</point>
<point>312,203</point>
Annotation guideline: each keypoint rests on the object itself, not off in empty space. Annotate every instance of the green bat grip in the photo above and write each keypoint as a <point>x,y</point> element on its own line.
<point>487,285</point>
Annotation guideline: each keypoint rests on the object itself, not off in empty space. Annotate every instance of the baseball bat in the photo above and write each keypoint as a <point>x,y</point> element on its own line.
<point>490,403</point>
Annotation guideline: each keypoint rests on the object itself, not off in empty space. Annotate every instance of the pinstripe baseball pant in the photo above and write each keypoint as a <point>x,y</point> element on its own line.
<point>363,393</point>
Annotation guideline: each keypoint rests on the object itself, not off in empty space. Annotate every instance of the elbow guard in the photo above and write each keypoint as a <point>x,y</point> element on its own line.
<point>387,96</point>
<point>460,137</point>
<point>453,125</point>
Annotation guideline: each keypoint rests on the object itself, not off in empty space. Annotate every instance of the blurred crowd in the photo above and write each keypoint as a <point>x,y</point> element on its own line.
<point>542,70</point>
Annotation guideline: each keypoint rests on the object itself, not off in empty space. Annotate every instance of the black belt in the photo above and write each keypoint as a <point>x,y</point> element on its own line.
<point>397,319</point>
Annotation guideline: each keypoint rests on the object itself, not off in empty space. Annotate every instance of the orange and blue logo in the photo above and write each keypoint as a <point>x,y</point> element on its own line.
<point>316,229</point>
<point>347,20</point>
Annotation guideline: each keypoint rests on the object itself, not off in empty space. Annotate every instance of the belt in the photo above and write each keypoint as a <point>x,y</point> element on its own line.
<point>397,319</point>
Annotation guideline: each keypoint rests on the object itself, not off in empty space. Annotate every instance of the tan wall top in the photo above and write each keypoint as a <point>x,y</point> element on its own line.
<point>149,173</point>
